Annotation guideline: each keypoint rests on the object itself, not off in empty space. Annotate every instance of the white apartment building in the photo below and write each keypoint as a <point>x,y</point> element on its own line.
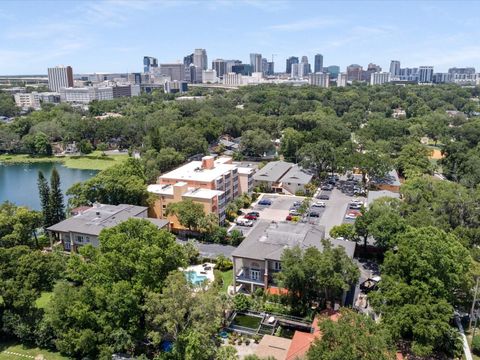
<point>209,76</point>
<point>319,79</point>
<point>26,101</point>
<point>60,77</point>
<point>342,80</point>
<point>86,94</point>
<point>232,79</point>
<point>378,78</point>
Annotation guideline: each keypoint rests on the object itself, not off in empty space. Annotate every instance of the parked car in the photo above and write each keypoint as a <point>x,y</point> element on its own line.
<point>319,204</point>
<point>289,218</point>
<point>250,217</point>
<point>323,197</point>
<point>313,214</point>
<point>351,216</point>
<point>254,213</point>
<point>297,204</point>
<point>244,222</point>
<point>327,187</point>
<point>294,213</point>
<point>267,202</point>
<point>355,205</point>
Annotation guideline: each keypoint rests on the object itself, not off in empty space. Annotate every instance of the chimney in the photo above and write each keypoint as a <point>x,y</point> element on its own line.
<point>208,162</point>
<point>179,189</point>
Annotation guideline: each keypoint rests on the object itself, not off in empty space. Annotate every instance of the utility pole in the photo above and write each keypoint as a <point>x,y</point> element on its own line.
<point>473,306</point>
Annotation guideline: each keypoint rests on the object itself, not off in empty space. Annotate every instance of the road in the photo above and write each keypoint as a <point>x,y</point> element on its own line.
<point>335,210</point>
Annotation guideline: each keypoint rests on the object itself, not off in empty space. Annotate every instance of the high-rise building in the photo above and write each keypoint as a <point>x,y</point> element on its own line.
<point>297,70</point>
<point>265,66</point>
<point>149,63</point>
<point>209,76</point>
<point>372,68</point>
<point>188,60</point>
<point>354,72</point>
<point>342,79</point>
<point>291,60</point>
<point>395,68</point>
<point>244,69</point>
<point>319,79</point>
<point>378,78</point>
<point>200,59</point>
<point>409,74</point>
<point>462,71</point>
<point>220,66</point>
<point>318,66</point>
<point>306,69</point>
<point>60,77</point>
<point>256,62</point>
<point>271,68</point>
<point>174,71</point>
<point>425,74</point>
<point>230,63</point>
<point>333,70</point>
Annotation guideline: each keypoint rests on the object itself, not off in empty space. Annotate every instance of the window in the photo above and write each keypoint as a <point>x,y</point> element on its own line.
<point>255,274</point>
<point>277,265</point>
<point>79,238</point>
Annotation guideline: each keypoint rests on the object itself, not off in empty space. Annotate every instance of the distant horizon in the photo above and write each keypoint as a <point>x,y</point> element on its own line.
<point>112,36</point>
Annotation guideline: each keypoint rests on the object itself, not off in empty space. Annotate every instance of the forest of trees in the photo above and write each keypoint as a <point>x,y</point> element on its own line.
<point>126,296</point>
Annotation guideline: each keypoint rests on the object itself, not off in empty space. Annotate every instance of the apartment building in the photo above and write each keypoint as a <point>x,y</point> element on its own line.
<point>27,100</point>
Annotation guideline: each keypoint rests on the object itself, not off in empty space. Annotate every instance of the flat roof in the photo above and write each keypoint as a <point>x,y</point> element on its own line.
<point>273,171</point>
<point>268,240</point>
<point>273,346</point>
<point>195,193</point>
<point>374,195</point>
<point>193,171</point>
<point>101,216</point>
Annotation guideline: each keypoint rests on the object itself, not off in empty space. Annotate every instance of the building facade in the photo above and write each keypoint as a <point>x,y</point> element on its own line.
<point>291,60</point>
<point>425,74</point>
<point>318,65</point>
<point>60,77</point>
<point>27,100</point>
<point>395,68</point>
<point>149,64</point>
<point>174,71</point>
<point>354,72</point>
<point>378,78</point>
<point>319,79</point>
<point>256,62</point>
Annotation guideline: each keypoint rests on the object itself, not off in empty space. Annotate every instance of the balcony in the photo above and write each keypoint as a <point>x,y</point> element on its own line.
<point>245,276</point>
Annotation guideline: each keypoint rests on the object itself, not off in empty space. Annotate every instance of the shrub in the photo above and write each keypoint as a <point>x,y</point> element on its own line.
<point>236,237</point>
<point>242,302</point>
<point>476,344</point>
<point>223,264</point>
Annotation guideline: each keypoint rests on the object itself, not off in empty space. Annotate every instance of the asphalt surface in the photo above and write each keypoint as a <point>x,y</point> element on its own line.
<point>210,250</point>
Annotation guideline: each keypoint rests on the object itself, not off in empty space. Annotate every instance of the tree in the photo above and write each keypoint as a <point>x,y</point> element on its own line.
<point>320,157</point>
<point>421,282</point>
<point>256,143</point>
<point>44,192</point>
<point>188,213</point>
<point>413,160</point>
<point>18,225</point>
<point>346,231</point>
<point>313,275</point>
<point>353,337</point>
<point>56,207</point>
<point>226,352</point>
<point>291,143</point>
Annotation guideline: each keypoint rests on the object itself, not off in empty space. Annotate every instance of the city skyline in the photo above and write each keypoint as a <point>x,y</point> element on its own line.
<point>113,36</point>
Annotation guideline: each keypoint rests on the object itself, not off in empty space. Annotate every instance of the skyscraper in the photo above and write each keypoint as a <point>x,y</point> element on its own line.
<point>149,63</point>
<point>291,60</point>
<point>318,66</point>
<point>256,62</point>
<point>264,66</point>
<point>271,68</point>
<point>305,68</point>
<point>333,70</point>
<point>60,77</point>
<point>200,59</point>
<point>187,60</point>
<point>220,66</point>
<point>175,71</point>
<point>354,72</point>
<point>425,74</point>
<point>395,68</point>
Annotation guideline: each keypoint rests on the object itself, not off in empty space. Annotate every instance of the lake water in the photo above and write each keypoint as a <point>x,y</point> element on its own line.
<point>18,182</point>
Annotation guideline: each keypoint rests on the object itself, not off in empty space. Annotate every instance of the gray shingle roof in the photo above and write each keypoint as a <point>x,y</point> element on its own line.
<point>268,240</point>
<point>101,216</point>
<point>273,171</point>
<point>296,175</point>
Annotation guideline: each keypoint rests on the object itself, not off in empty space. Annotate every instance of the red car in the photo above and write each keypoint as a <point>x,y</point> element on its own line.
<point>289,218</point>
<point>250,217</point>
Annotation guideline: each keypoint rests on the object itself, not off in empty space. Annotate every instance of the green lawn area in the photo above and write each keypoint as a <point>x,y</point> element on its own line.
<point>9,351</point>
<point>227,277</point>
<point>43,300</point>
<point>93,161</point>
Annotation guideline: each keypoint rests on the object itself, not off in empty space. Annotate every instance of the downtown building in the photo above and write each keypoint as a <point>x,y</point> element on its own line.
<point>318,63</point>
<point>319,79</point>
<point>173,71</point>
<point>60,77</point>
<point>378,78</point>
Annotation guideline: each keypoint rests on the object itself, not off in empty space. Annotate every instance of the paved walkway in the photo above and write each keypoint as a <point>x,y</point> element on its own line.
<point>466,348</point>
<point>18,354</point>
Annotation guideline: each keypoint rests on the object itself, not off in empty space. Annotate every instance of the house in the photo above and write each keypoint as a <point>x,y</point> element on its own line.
<point>258,257</point>
<point>213,182</point>
<point>282,176</point>
<point>85,227</point>
<point>390,182</point>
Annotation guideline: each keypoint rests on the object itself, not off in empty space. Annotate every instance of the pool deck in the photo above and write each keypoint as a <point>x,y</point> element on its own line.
<point>200,271</point>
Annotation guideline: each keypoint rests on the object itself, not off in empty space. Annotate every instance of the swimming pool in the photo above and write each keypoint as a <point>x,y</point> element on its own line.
<point>194,278</point>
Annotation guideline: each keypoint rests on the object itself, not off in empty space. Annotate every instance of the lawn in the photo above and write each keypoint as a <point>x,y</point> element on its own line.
<point>11,351</point>
<point>227,277</point>
<point>43,300</point>
<point>93,161</point>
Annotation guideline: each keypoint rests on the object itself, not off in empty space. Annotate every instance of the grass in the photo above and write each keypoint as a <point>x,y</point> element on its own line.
<point>93,161</point>
<point>251,322</point>
<point>27,352</point>
<point>43,300</point>
<point>227,277</point>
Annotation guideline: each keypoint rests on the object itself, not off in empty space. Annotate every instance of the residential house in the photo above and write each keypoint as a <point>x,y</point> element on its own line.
<point>258,258</point>
<point>85,227</point>
<point>282,176</point>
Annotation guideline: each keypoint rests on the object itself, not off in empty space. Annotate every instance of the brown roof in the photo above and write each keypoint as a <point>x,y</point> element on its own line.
<point>273,346</point>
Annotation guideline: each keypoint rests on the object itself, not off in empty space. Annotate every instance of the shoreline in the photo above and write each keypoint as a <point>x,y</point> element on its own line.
<point>93,161</point>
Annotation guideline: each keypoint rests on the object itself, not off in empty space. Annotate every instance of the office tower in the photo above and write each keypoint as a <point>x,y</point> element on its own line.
<point>149,63</point>
<point>174,71</point>
<point>441,78</point>
<point>291,60</point>
<point>256,62</point>
<point>200,59</point>
<point>271,68</point>
<point>354,72</point>
<point>230,63</point>
<point>318,66</point>
<point>342,80</point>
<point>425,74</point>
<point>188,60</point>
<point>333,70</point>
<point>60,77</point>
<point>243,69</point>
<point>220,67</point>
<point>192,73</point>
<point>409,74</point>
<point>378,78</point>
<point>395,68</point>
<point>319,79</point>
<point>306,69</point>
<point>372,68</point>
<point>265,66</point>
<point>296,70</point>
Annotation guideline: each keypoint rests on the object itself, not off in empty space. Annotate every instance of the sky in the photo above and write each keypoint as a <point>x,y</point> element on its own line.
<point>114,35</point>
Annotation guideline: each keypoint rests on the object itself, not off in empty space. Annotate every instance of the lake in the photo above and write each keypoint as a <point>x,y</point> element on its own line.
<point>18,182</point>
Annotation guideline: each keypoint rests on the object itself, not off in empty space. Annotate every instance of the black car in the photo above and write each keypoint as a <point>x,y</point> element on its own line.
<point>323,197</point>
<point>254,213</point>
<point>313,214</point>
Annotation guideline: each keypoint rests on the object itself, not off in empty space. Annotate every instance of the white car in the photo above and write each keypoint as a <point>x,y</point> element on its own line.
<point>351,216</point>
<point>244,222</point>
<point>319,204</point>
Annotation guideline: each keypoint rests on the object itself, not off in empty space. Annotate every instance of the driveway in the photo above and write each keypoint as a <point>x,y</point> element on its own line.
<point>335,210</point>
<point>211,250</point>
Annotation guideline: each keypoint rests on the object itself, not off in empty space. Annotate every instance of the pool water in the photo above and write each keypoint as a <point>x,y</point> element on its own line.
<point>194,278</point>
